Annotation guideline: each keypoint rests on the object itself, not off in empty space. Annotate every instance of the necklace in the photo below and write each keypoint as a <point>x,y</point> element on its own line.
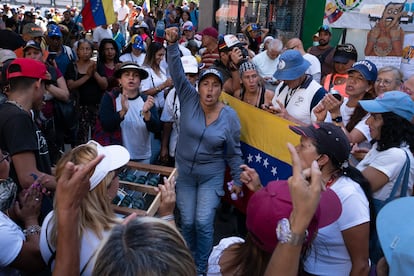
<point>332,179</point>
<point>16,104</point>
<point>257,98</point>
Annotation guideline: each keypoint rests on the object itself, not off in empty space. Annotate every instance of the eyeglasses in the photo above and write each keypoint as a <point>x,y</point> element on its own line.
<point>6,156</point>
<point>385,82</point>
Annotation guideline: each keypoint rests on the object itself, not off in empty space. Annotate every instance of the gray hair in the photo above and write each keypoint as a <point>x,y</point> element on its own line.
<point>398,75</point>
<point>275,44</point>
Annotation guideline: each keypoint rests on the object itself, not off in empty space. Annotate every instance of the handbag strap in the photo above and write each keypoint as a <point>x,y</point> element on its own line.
<point>402,180</point>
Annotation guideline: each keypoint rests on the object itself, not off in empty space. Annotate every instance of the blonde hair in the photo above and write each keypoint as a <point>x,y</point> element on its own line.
<point>96,213</point>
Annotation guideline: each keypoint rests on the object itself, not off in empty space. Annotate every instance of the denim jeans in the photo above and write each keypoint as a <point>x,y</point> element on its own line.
<point>197,199</point>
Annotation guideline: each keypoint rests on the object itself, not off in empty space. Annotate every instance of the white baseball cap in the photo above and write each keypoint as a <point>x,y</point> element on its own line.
<point>190,64</point>
<point>115,157</point>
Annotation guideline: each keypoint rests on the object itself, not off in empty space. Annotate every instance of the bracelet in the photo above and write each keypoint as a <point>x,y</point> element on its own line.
<point>158,89</point>
<point>168,217</point>
<point>32,230</point>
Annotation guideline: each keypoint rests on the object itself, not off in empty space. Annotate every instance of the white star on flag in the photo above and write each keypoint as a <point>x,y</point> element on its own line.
<point>258,158</point>
<point>265,162</point>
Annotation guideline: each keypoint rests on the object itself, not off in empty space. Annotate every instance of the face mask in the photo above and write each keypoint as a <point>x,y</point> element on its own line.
<point>315,43</point>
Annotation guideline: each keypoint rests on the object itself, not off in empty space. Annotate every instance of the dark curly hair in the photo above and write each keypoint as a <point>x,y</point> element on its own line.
<point>395,131</point>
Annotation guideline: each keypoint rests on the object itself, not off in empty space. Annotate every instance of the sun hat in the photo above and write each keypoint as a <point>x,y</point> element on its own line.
<point>32,29</point>
<point>137,42</point>
<point>367,69</point>
<point>53,30</point>
<point>211,72</point>
<point>30,68</point>
<point>32,44</point>
<point>116,156</point>
<point>344,53</point>
<point>143,74</point>
<point>291,65</point>
<point>331,139</point>
<point>190,64</point>
<point>396,102</point>
<point>210,31</point>
<point>395,224</point>
<point>273,203</point>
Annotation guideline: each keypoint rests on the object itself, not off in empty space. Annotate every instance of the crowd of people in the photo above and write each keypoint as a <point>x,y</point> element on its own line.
<point>78,104</point>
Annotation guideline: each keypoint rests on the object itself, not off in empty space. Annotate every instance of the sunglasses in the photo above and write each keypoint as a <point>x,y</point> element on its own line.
<point>192,75</point>
<point>6,156</point>
<point>325,28</point>
<point>346,48</point>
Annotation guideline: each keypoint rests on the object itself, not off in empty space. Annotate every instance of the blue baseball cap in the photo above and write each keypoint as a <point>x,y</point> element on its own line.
<point>53,30</point>
<point>396,102</point>
<point>291,65</point>
<point>367,69</point>
<point>211,72</point>
<point>138,43</point>
<point>395,224</point>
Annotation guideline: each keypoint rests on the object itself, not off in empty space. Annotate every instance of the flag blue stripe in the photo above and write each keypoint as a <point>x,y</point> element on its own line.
<point>268,167</point>
<point>98,12</point>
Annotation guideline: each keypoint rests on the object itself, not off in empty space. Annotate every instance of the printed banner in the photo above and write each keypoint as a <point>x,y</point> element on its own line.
<point>263,140</point>
<point>363,14</point>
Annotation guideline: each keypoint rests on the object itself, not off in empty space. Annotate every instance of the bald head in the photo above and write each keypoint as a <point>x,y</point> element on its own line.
<point>296,44</point>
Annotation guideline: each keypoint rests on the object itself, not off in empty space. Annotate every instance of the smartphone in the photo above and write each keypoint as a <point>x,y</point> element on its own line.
<point>51,57</point>
<point>336,94</point>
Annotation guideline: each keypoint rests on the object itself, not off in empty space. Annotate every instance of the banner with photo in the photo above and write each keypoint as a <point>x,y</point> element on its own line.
<point>364,14</point>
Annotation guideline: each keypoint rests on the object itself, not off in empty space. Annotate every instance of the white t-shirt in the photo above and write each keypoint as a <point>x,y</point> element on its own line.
<point>171,114</point>
<point>346,113</point>
<point>266,66</point>
<point>135,136</point>
<point>11,241</point>
<point>152,81</point>
<point>390,162</point>
<point>213,268</point>
<point>100,33</point>
<point>315,68</point>
<point>133,58</point>
<point>88,246</point>
<point>328,253</point>
<point>122,12</point>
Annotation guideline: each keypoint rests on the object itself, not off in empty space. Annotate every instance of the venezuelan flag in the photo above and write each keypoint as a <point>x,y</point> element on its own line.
<point>263,140</point>
<point>97,12</point>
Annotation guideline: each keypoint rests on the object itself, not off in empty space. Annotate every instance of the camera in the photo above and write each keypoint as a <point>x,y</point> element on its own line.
<point>244,51</point>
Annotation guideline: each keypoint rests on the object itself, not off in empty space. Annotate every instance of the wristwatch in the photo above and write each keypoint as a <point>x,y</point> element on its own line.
<point>337,119</point>
<point>285,235</point>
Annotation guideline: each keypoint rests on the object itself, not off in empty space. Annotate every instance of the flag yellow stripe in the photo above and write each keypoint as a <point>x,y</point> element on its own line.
<point>262,130</point>
<point>109,12</point>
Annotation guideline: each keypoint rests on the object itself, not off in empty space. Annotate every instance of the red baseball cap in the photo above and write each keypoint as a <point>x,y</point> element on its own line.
<point>210,31</point>
<point>273,203</point>
<point>29,68</point>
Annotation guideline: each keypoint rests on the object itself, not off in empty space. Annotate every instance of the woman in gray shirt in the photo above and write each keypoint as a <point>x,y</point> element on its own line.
<point>209,139</point>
